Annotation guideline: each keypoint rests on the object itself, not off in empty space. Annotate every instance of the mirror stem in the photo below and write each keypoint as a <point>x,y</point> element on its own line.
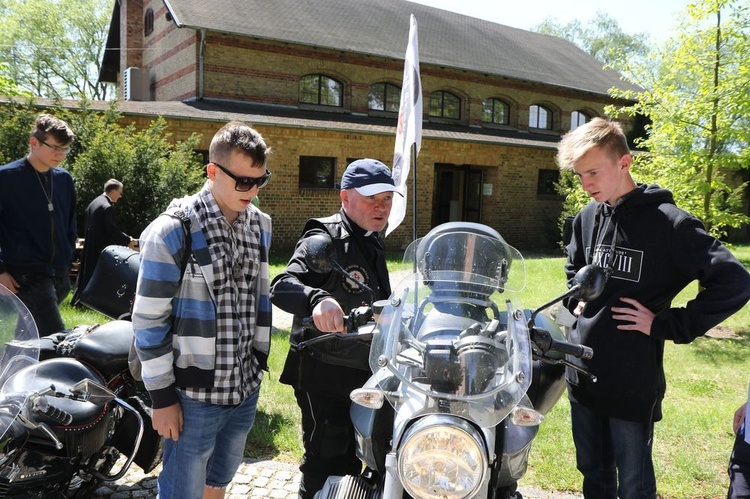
<point>573,290</point>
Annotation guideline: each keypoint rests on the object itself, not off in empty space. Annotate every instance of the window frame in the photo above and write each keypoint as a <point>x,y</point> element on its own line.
<point>385,85</point>
<point>579,113</point>
<point>442,95</point>
<point>494,101</point>
<point>320,92</point>
<point>546,180</point>
<point>547,110</point>
<point>311,165</point>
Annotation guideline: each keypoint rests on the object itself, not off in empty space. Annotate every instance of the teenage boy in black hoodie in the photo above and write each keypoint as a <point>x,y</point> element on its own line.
<point>651,250</point>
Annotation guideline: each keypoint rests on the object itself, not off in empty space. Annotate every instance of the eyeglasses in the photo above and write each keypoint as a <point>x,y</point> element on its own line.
<point>63,150</point>
<point>244,184</point>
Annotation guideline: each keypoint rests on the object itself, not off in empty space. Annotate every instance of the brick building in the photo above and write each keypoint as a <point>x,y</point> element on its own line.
<point>320,80</point>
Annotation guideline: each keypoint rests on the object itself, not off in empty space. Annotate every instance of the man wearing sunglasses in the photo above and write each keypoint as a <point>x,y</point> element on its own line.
<point>322,387</point>
<point>202,319</point>
<point>38,224</point>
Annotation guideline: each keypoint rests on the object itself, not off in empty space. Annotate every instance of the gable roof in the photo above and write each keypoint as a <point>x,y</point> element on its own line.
<point>381,28</point>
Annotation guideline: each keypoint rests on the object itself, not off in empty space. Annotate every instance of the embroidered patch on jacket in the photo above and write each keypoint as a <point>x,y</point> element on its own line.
<point>358,273</point>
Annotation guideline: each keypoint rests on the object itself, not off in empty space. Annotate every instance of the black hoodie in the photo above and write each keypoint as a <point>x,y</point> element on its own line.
<point>658,250</point>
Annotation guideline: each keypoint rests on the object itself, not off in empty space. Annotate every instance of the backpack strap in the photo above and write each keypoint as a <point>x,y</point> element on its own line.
<point>181,214</point>
<point>134,363</point>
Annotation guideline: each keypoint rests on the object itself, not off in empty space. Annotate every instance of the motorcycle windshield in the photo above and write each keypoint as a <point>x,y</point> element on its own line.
<point>451,338</point>
<point>19,348</point>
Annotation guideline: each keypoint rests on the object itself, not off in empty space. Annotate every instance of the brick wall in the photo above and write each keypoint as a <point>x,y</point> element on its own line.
<point>525,219</point>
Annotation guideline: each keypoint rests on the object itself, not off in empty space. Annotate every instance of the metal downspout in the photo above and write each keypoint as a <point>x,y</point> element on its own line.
<point>201,54</point>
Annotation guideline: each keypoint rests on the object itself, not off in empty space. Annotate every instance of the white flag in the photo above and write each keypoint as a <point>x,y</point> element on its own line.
<point>409,129</point>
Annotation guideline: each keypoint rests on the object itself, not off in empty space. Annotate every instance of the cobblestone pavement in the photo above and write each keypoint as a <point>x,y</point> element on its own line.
<point>256,480</point>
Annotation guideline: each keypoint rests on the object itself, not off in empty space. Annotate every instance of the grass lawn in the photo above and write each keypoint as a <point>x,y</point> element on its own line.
<point>706,382</point>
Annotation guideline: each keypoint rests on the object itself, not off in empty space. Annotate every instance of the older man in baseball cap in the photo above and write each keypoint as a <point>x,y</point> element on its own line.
<point>323,379</point>
<point>367,193</point>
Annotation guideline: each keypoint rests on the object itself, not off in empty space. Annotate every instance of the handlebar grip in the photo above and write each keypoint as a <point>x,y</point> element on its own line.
<point>58,415</point>
<point>580,351</point>
<point>309,323</point>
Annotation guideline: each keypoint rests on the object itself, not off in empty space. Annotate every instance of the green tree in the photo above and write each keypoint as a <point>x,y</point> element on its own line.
<point>53,48</point>
<point>152,169</point>
<point>602,38</point>
<point>698,100</point>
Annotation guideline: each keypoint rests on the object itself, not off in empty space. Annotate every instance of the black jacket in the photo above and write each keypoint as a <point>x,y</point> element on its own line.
<point>658,250</point>
<point>328,369</point>
<point>32,238</point>
<point>101,230</point>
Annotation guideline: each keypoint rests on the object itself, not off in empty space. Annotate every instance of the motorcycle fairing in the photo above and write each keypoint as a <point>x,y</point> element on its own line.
<point>442,329</point>
<point>19,348</point>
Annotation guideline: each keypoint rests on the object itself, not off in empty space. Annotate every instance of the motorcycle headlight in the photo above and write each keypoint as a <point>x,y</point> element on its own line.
<point>442,457</point>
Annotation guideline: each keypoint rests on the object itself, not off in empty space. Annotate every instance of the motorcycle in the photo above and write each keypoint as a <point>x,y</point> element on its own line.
<point>71,415</point>
<point>467,373</point>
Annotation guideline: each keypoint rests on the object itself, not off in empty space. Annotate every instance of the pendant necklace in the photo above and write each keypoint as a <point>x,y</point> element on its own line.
<point>50,206</point>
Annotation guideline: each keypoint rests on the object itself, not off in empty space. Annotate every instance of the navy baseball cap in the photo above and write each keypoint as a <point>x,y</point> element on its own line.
<point>368,177</point>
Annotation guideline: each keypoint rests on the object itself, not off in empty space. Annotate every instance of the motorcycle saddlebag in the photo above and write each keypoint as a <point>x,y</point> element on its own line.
<point>149,452</point>
<point>111,289</point>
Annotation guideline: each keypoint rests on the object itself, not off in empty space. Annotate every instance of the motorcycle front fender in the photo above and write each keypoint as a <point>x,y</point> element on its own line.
<point>516,445</point>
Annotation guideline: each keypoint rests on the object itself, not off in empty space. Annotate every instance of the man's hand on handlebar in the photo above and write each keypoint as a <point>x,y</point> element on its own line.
<point>328,316</point>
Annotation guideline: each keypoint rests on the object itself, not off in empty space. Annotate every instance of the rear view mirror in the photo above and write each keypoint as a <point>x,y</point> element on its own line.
<point>590,281</point>
<point>319,253</point>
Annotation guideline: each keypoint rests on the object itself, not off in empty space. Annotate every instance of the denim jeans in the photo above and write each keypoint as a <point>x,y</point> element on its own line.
<point>610,450</point>
<point>210,447</point>
<point>42,294</point>
<point>739,469</point>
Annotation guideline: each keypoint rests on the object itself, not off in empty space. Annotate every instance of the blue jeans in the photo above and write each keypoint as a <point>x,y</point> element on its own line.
<point>610,450</point>
<point>42,294</point>
<point>739,468</point>
<point>210,447</point>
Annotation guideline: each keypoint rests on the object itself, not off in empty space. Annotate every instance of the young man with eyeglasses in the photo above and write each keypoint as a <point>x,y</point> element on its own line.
<point>203,336</point>
<point>324,377</point>
<point>651,250</point>
<point>38,224</point>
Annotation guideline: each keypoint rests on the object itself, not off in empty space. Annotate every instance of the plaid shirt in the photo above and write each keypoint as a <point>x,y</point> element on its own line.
<point>235,253</point>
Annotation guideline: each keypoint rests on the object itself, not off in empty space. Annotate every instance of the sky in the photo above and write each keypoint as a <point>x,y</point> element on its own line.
<point>655,17</point>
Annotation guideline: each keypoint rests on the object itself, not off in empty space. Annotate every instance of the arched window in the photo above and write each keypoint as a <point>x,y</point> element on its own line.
<point>445,105</point>
<point>578,118</point>
<point>384,97</point>
<point>496,111</point>
<point>540,117</point>
<point>321,90</point>
<point>148,22</point>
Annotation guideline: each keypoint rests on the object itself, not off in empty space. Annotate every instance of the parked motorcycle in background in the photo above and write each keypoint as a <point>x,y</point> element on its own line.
<point>69,408</point>
<point>466,371</point>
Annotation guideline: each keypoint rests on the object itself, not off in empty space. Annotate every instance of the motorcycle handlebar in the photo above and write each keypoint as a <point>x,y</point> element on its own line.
<point>544,340</point>
<point>580,351</point>
<point>358,317</point>
<point>58,415</point>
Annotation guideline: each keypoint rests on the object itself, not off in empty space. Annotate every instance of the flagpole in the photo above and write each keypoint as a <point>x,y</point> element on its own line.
<point>414,192</point>
<point>408,135</point>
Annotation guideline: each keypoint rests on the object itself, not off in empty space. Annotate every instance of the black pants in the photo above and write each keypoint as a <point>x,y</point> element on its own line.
<point>739,469</point>
<point>42,295</point>
<point>328,437</point>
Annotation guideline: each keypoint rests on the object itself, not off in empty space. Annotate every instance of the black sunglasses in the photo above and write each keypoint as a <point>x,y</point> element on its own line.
<point>244,184</point>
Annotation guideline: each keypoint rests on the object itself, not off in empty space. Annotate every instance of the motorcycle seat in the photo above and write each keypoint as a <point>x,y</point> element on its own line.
<point>107,347</point>
<point>63,373</point>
